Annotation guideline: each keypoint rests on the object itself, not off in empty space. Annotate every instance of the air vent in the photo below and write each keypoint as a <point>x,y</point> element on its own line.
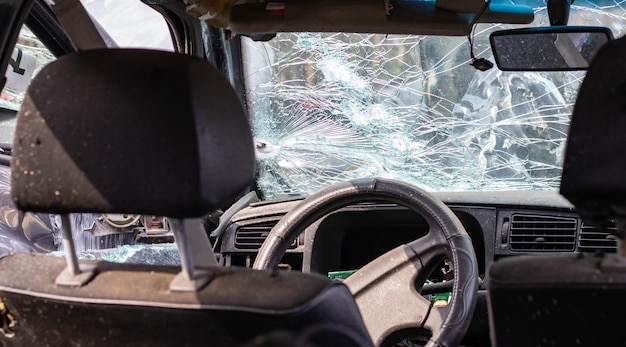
<point>251,236</point>
<point>594,239</point>
<point>535,233</point>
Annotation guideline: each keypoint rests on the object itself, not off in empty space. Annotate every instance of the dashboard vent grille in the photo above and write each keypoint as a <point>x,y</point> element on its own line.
<point>536,233</point>
<point>251,236</point>
<point>594,239</point>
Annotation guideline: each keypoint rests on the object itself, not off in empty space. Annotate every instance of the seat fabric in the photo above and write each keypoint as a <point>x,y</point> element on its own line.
<point>128,304</point>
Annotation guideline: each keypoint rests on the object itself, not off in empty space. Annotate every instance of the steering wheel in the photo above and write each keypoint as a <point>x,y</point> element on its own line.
<point>386,290</point>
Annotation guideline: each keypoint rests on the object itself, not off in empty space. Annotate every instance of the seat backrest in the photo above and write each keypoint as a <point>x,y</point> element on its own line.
<point>574,300</point>
<point>595,160</point>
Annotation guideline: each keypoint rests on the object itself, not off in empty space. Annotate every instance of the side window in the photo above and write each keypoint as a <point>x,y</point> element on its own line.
<point>29,56</point>
<point>128,23</point>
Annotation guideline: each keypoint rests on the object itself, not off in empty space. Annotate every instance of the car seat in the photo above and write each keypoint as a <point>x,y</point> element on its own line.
<point>152,133</point>
<point>576,300</point>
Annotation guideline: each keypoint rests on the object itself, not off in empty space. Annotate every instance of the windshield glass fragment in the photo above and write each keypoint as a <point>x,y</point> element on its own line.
<point>331,107</point>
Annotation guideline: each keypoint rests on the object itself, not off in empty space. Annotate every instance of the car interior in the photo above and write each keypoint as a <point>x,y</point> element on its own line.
<point>165,145</point>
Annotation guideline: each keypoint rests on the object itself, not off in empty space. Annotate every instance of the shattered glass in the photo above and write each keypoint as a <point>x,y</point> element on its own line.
<point>159,254</point>
<point>332,107</point>
<point>86,240</point>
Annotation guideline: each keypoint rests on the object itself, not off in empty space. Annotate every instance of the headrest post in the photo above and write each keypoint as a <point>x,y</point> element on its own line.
<point>196,254</point>
<point>184,247</point>
<point>68,245</point>
<point>74,275</point>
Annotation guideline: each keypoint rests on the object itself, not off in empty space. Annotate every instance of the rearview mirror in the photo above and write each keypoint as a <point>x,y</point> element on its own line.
<point>557,48</point>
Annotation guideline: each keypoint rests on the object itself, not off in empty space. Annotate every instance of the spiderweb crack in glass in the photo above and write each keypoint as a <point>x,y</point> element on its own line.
<point>330,107</point>
<point>338,106</point>
<point>338,126</point>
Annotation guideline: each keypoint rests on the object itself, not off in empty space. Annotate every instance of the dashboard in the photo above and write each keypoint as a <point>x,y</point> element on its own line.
<point>501,224</point>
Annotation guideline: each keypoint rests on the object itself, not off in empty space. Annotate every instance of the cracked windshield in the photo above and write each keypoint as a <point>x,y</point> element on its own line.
<point>331,107</point>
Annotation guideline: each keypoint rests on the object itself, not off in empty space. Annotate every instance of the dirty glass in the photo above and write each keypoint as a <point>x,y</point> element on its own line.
<point>331,107</point>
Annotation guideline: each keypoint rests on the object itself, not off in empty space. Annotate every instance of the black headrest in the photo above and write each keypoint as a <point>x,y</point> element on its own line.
<point>130,131</point>
<point>594,171</point>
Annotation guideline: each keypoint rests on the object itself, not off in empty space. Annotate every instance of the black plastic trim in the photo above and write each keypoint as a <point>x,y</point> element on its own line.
<point>42,22</point>
<point>186,31</point>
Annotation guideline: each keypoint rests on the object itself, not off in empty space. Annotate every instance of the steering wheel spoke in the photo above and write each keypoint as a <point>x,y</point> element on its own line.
<point>385,292</point>
<point>432,249</point>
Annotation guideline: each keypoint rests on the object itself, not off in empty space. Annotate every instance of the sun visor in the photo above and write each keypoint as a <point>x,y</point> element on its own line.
<point>368,16</point>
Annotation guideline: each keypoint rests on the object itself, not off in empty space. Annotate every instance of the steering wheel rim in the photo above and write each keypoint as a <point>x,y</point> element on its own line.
<point>415,260</point>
